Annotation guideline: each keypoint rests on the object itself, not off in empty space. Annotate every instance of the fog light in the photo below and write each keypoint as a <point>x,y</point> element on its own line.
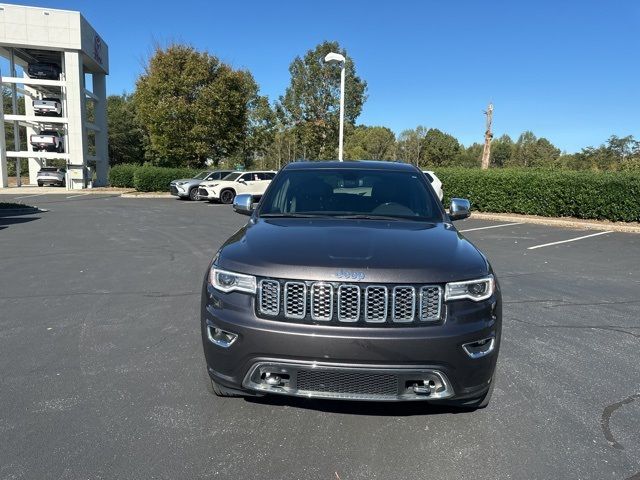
<point>480,348</point>
<point>221,337</point>
<point>271,379</point>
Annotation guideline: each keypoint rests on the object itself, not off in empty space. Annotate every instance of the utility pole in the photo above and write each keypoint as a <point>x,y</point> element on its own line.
<point>488,135</point>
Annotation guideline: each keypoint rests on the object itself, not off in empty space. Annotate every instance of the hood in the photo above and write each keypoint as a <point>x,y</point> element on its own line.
<point>342,249</point>
<point>189,180</point>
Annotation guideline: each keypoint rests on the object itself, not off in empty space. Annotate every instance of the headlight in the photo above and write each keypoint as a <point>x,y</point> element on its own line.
<point>226,281</point>
<point>180,183</point>
<point>475,290</point>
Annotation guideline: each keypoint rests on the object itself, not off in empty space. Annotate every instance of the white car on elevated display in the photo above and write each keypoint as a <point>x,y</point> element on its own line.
<point>225,190</point>
<point>48,106</point>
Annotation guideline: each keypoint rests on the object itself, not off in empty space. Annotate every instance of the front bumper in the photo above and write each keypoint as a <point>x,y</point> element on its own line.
<point>178,191</point>
<point>208,194</point>
<point>354,358</point>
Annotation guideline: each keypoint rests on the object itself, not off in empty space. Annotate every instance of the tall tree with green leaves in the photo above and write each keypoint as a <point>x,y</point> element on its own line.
<point>440,149</point>
<point>501,151</point>
<point>126,137</point>
<point>410,147</point>
<point>311,103</point>
<point>370,143</point>
<point>192,106</point>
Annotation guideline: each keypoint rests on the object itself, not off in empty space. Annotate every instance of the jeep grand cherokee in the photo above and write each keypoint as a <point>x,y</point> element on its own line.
<point>349,281</point>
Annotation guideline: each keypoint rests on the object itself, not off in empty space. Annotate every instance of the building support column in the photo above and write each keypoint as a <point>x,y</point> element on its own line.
<point>76,114</point>
<point>4,177</point>
<point>102,149</point>
<point>34,163</point>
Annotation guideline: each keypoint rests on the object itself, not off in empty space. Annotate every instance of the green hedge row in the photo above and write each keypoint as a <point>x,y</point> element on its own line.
<point>146,178</point>
<point>122,175</point>
<point>594,195</point>
<point>157,179</point>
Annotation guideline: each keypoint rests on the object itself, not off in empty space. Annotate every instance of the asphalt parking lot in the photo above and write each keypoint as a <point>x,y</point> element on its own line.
<point>102,372</point>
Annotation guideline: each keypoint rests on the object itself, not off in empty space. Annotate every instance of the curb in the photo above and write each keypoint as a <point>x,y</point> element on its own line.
<point>561,222</point>
<point>146,195</point>
<point>14,212</point>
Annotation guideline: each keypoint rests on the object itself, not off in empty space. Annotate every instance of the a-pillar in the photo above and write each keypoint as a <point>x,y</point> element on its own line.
<point>76,115</point>
<point>102,150</point>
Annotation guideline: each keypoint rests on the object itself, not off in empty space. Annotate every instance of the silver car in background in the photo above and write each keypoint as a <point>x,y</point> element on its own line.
<point>188,187</point>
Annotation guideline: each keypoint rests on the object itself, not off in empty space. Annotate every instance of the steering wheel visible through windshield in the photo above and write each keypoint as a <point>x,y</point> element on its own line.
<point>351,193</point>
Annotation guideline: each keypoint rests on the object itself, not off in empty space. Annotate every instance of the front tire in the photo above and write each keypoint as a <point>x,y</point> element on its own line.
<point>227,196</point>
<point>221,391</point>
<point>193,194</point>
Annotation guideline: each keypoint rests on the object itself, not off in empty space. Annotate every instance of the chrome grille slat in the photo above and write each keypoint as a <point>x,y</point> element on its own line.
<point>348,303</point>
<point>322,301</point>
<point>376,304</point>
<point>295,300</point>
<point>269,297</point>
<point>345,303</point>
<point>404,304</point>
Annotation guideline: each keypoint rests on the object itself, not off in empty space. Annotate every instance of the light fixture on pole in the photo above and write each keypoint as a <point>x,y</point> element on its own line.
<point>337,58</point>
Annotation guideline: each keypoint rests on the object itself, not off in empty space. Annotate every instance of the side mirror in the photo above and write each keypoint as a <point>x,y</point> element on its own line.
<point>460,208</point>
<point>242,180</point>
<point>243,204</point>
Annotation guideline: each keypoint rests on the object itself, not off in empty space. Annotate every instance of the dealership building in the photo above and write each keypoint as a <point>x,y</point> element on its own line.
<point>53,55</point>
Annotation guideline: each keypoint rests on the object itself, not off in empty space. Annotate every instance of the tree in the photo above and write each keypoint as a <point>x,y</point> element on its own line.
<point>470,157</point>
<point>440,149</point>
<point>370,143</point>
<point>501,151</point>
<point>192,106</point>
<point>260,132</point>
<point>311,103</point>
<point>410,145</point>
<point>126,137</point>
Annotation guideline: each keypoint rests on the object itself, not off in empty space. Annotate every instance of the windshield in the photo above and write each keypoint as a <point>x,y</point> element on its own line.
<point>201,175</point>
<point>351,193</point>
<point>232,176</point>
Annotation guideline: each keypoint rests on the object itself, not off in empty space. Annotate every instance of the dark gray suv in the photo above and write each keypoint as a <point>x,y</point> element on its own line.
<point>350,282</point>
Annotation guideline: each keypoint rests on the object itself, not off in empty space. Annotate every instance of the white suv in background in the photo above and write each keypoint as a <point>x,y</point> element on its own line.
<point>225,190</point>
<point>436,184</point>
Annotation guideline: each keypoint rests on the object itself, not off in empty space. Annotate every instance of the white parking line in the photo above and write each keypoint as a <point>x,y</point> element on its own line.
<point>491,226</point>
<point>29,196</point>
<point>570,240</point>
<point>78,195</point>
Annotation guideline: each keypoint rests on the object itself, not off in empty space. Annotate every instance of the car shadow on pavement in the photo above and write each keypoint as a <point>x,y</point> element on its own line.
<point>348,407</point>
<point>6,221</point>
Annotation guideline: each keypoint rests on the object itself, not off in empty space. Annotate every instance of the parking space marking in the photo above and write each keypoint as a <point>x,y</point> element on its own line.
<point>29,196</point>
<point>569,240</point>
<point>490,226</point>
<point>78,195</point>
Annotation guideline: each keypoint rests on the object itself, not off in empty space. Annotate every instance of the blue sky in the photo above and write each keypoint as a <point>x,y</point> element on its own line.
<point>567,70</point>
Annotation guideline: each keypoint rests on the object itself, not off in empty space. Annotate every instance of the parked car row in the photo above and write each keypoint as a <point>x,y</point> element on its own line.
<point>223,185</point>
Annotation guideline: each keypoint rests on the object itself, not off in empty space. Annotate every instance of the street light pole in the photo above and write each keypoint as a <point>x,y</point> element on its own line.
<point>336,57</point>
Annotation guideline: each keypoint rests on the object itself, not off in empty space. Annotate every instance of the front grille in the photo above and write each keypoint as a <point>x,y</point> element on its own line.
<point>203,192</point>
<point>345,303</point>
<point>327,381</point>
<point>173,189</point>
